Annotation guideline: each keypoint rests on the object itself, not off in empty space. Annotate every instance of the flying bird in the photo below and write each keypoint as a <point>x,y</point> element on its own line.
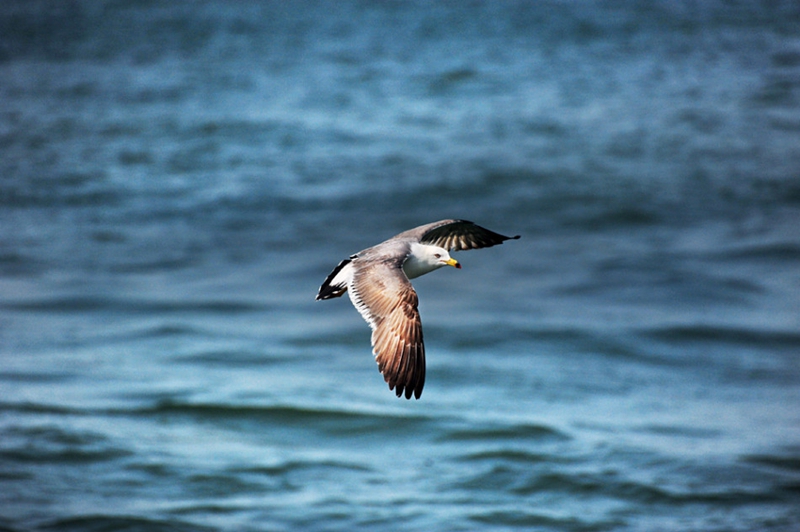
<point>377,280</point>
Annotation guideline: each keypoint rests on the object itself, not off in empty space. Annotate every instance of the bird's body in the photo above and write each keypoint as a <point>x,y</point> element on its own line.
<point>377,280</point>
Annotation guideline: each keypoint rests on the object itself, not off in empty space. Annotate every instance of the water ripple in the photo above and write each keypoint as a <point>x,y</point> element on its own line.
<point>103,523</point>
<point>505,433</point>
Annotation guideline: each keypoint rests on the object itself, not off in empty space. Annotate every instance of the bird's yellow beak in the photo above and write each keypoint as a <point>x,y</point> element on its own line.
<point>454,263</point>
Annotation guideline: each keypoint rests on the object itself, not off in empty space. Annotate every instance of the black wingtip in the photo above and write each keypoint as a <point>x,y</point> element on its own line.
<point>330,291</point>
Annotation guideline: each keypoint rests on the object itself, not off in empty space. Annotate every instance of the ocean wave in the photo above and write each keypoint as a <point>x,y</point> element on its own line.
<point>522,481</point>
<point>27,407</point>
<point>120,523</point>
<point>511,432</point>
<point>514,456</point>
<point>788,461</point>
<point>333,421</point>
<point>603,485</point>
<point>771,251</point>
<point>233,359</point>
<point>50,444</point>
<point>106,304</point>
<point>531,519</point>
<point>291,466</point>
<point>701,333</point>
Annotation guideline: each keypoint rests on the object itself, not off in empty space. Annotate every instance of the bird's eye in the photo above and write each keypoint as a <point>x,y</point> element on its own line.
<point>437,255</point>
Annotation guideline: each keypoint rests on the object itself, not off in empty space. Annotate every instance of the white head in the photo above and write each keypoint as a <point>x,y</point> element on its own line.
<point>425,258</point>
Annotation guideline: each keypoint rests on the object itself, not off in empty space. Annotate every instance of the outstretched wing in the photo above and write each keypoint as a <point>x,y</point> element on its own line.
<point>385,298</point>
<point>460,235</point>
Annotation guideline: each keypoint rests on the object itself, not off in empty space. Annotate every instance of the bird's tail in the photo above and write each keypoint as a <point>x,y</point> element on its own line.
<point>335,285</point>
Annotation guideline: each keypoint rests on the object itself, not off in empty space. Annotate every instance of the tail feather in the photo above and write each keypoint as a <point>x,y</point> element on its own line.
<point>333,287</point>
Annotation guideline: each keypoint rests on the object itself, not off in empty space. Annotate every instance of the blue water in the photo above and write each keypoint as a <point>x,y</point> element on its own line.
<point>177,179</point>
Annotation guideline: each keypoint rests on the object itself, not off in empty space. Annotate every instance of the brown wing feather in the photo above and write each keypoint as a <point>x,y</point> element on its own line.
<point>385,298</point>
<point>460,235</point>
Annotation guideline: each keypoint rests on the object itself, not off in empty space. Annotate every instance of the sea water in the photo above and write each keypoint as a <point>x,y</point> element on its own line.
<point>178,178</point>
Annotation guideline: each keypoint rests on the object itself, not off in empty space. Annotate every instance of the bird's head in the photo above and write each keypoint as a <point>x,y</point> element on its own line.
<point>425,258</point>
<point>441,257</point>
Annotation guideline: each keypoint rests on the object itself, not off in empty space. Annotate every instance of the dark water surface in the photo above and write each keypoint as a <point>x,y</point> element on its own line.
<point>177,179</point>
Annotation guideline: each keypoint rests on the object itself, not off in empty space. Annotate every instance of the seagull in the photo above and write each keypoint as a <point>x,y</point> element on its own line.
<point>377,280</point>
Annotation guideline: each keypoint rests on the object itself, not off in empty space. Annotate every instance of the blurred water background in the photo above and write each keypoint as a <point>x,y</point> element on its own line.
<point>177,179</point>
